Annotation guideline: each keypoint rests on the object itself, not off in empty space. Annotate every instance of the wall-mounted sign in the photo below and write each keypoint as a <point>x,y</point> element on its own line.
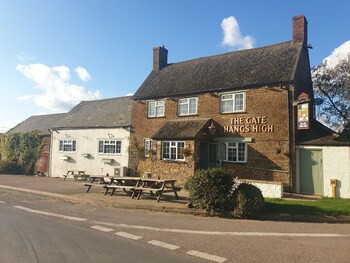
<point>249,124</point>
<point>303,116</point>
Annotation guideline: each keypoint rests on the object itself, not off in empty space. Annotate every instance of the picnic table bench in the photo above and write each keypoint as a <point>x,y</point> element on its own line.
<point>157,187</point>
<point>76,175</point>
<point>134,185</point>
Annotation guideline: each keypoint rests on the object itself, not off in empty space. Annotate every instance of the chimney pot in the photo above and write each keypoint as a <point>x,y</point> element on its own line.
<point>300,29</point>
<point>160,58</point>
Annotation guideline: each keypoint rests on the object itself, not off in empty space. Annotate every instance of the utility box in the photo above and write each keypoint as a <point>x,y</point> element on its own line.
<point>334,187</point>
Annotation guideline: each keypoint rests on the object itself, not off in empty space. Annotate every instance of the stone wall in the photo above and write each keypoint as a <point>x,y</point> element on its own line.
<point>268,189</point>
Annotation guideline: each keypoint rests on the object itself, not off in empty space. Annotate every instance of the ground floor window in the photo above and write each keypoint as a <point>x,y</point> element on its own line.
<point>68,145</point>
<point>235,152</point>
<point>148,147</point>
<point>172,150</point>
<point>109,146</point>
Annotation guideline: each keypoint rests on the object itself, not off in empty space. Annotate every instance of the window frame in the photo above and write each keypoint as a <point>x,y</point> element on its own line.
<point>188,106</point>
<point>72,143</point>
<point>173,145</point>
<point>233,99</point>
<point>147,147</point>
<point>155,102</point>
<point>104,145</point>
<point>236,147</point>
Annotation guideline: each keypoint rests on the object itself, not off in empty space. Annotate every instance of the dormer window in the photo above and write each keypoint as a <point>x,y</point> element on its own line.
<point>156,108</point>
<point>187,106</point>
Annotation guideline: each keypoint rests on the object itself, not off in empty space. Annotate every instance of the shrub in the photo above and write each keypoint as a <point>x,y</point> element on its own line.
<point>9,168</point>
<point>248,201</point>
<point>211,190</point>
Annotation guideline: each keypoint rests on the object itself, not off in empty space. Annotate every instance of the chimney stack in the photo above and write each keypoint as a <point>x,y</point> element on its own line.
<point>300,29</point>
<point>160,58</point>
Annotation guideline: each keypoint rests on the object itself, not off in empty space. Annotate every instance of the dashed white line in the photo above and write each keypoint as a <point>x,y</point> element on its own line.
<point>206,256</point>
<point>163,244</point>
<point>103,229</point>
<point>51,214</point>
<point>2,202</point>
<point>127,235</point>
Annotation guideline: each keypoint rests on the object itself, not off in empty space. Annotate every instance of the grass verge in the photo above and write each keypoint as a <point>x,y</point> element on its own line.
<point>321,207</point>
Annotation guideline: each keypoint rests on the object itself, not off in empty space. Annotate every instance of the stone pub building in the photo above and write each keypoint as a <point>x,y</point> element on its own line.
<point>235,110</point>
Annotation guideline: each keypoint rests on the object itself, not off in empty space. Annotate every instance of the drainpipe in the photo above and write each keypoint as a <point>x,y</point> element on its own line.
<point>50,153</point>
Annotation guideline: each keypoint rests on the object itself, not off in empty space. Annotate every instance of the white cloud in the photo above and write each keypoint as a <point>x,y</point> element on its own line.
<point>83,74</point>
<point>338,54</point>
<point>58,94</point>
<point>129,94</point>
<point>232,35</point>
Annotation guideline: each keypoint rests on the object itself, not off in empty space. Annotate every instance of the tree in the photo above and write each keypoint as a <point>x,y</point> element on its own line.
<point>332,86</point>
<point>23,149</point>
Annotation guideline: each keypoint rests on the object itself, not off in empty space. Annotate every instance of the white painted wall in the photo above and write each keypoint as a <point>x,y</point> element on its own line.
<point>268,189</point>
<point>336,165</point>
<point>87,142</point>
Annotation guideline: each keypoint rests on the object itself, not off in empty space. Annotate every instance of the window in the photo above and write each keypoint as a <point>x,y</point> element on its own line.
<point>155,108</point>
<point>173,150</point>
<point>235,152</point>
<point>148,147</point>
<point>234,102</point>
<point>187,106</point>
<point>68,145</point>
<point>109,146</point>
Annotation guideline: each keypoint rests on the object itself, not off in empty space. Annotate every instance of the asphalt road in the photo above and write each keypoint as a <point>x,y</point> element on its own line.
<point>27,237</point>
<point>218,239</point>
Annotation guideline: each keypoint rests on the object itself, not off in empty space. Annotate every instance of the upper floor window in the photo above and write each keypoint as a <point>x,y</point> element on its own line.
<point>234,102</point>
<point>172,150</point>
<point>68,145</point>
<point>109,146</point>
<point>148,147</point>
<point>235,152</point>
<point>187,106</point>
<point>155,108</point>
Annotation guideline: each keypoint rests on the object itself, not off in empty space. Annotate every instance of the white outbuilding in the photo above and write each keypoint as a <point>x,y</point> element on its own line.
<point>92,138</point>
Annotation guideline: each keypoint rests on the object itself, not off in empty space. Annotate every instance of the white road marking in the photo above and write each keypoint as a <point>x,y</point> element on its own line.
<point>2,202</point>
<point>163,244</point>
<point>221,233</point>
<point>103,229</point>
<point>51,214</point>
<point>127,235</point>
<point>206,256</point>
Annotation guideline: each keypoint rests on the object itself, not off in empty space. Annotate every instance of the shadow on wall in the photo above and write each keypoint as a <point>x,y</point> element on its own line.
<point>261,167</point>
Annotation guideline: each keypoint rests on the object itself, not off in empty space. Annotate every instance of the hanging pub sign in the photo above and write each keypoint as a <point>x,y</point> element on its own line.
<point>303,116</point>
<point>303,112</point>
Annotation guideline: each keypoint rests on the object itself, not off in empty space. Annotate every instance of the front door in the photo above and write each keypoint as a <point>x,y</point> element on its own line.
<point>203,155</point>
<point>213,155</point>
<point>311,171</point>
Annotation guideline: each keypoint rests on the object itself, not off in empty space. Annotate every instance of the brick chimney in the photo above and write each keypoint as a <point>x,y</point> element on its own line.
<point>160,58</point>
<point>300,29</point>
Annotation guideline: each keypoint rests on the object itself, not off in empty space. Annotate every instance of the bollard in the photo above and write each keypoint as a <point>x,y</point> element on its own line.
<point>334,185</point>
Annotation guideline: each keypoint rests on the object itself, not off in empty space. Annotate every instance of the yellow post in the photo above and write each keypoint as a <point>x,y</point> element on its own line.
<point>334,185</point>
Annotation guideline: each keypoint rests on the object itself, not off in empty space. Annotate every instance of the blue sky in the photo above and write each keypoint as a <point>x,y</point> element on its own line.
<point>55,53</point>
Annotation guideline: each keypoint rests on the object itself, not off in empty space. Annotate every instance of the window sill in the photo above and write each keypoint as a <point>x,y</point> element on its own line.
<point>173,161</point>
<point>234,112</point>
<point>156,117</point>
<point>196,114</point>
<point>231,162</point>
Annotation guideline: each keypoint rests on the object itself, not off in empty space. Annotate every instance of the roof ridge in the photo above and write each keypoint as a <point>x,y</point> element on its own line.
<point>231,52</point>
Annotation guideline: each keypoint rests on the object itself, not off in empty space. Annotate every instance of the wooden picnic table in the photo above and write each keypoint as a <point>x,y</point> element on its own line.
<point>124,183</point>
<point>76,174</point>
<point>157,187</point>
